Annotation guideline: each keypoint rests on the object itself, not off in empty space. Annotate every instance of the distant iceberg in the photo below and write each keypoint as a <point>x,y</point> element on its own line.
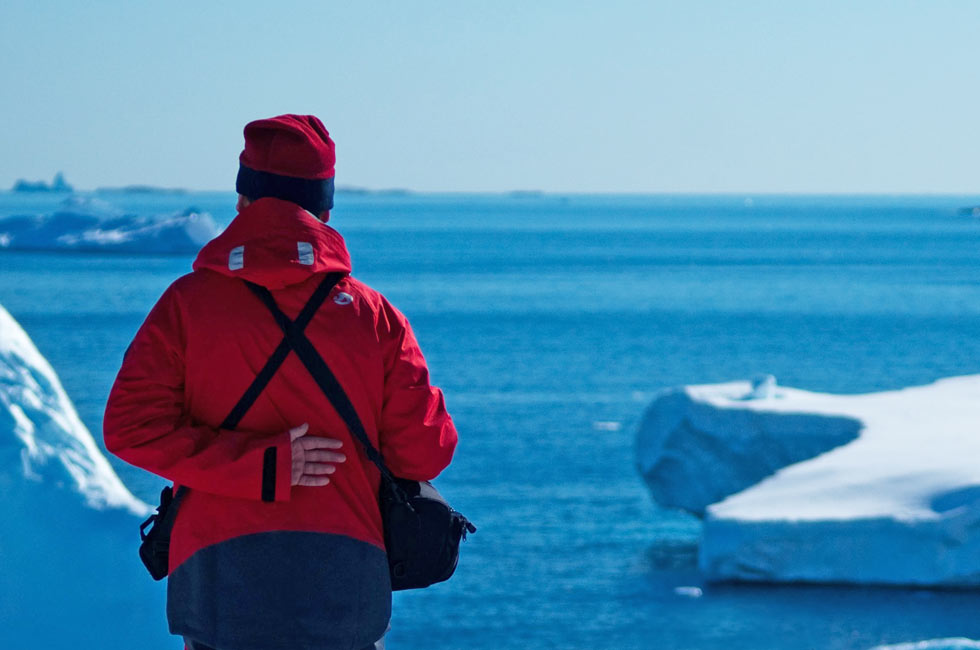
<point>93,225</point>
<point>882,488</point>
<point>59,184</point>
<point>69,572</point>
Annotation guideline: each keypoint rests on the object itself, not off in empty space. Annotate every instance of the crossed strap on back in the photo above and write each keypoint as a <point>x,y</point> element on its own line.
<point>264,376</point>
<point>294,339</point>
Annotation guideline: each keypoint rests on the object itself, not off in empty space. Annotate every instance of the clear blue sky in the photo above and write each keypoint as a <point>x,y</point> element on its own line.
<point>612,96</point>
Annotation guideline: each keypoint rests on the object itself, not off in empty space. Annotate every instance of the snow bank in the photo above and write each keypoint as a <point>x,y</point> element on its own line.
<point>799,486</point>
<point>50,445</point>
<point>86,224</point>
<point>69,573</point>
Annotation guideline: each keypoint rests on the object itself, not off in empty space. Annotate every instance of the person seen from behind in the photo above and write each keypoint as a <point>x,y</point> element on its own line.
<point>278,543</point>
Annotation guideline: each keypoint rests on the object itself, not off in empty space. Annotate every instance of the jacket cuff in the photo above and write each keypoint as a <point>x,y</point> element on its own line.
<point>277,469</point>
<point>284,470</point>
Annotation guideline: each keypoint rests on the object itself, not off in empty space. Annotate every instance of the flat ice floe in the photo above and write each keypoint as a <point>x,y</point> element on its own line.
<point>882,488</point>
<point>86,224</point>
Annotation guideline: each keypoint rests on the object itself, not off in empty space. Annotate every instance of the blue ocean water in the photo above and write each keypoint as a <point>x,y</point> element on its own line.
<point>550,321</point>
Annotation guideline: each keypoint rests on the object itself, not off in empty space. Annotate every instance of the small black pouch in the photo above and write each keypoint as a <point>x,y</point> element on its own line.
<point>155,545</point>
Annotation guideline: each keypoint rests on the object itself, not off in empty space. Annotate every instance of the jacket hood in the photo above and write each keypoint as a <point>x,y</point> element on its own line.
<point>275,243</point>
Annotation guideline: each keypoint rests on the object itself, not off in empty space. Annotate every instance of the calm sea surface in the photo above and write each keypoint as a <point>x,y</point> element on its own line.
<point>550,322</point>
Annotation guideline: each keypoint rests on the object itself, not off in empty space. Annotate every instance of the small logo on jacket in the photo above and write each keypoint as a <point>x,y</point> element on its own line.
<point>343,298</point>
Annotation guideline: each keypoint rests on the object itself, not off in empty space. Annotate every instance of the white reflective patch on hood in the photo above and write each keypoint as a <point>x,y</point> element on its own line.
<point>305,249</point>
<point>236,258</point>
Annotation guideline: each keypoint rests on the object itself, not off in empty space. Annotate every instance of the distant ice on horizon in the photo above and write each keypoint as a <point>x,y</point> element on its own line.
<point>93,225</point>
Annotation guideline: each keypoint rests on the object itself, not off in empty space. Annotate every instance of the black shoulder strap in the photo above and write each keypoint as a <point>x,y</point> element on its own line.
<point>282,350</point>
<point>324,377</point>
<point>265,375</point>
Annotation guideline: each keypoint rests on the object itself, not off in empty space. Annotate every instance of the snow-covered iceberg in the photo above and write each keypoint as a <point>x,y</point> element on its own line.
<point>69,573</point>
<point>882,488</point>
<point>92,225</point>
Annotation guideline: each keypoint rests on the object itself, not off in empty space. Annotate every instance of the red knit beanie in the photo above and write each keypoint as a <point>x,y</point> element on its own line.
<point>289,157</point>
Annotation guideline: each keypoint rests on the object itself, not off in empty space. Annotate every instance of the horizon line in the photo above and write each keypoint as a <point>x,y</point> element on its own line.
<point>521,193</point>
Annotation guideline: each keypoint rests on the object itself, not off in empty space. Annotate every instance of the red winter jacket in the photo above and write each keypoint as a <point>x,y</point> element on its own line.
<point>307,569</point>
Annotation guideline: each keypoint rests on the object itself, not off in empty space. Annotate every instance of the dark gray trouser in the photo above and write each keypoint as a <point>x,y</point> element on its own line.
<point>190,644</point>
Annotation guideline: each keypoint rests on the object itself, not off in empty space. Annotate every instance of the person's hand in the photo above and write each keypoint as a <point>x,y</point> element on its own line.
<point>312,458</point>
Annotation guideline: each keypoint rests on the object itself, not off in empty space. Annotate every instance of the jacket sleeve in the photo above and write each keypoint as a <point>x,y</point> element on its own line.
<point>146,424</point>
<point>417,435</point>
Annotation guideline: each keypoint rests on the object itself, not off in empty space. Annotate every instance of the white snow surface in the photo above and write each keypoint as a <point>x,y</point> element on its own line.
<point>88,224</point>
<point>49,441</point>
<point>802,486</point>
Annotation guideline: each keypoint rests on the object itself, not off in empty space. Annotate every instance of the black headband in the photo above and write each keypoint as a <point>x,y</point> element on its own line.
<point>313,194</point>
